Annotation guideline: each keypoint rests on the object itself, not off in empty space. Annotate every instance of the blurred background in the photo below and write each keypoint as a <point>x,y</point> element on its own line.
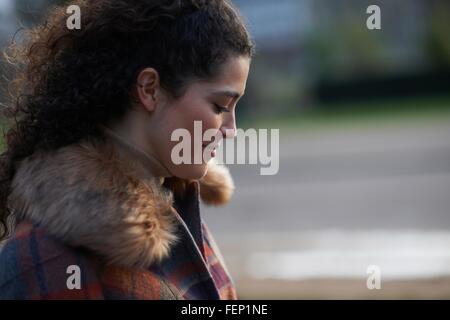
<point>364,120</point>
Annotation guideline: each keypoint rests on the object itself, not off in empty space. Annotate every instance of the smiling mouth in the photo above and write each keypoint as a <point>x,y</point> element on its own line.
<point>212,148</point>
<point>212,145</point>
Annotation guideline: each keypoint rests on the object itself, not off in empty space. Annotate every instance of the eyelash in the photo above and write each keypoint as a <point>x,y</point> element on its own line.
<point>219,109</point>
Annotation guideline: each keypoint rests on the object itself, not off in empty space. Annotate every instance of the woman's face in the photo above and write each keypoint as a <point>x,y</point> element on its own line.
<point>213,104</point>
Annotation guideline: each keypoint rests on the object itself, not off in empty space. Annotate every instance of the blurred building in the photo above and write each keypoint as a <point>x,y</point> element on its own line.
<point>311,50</point>
<point>291,23</point>
<point>7,20</point>
<point>277,24</point>
<point>315,51</point>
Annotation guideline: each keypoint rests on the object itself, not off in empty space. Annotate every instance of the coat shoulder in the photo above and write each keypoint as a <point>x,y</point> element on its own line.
<point>33,265</point>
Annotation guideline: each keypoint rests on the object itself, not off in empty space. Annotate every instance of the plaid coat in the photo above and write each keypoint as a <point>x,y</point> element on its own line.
<point>92,226</point>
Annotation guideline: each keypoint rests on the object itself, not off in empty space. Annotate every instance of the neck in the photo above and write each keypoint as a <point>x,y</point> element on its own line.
<point>131,148</point>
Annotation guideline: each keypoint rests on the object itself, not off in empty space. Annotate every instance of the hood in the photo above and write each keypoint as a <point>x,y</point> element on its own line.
<point>86,195</point>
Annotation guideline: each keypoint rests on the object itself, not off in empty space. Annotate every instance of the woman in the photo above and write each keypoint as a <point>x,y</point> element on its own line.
<point>92,205</point>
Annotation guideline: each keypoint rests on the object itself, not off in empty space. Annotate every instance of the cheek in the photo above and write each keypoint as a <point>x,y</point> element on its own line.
<point>200,112</point>
<point>183,116</point>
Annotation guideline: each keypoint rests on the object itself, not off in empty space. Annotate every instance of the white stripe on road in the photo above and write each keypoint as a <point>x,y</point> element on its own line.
<point>345,254</point>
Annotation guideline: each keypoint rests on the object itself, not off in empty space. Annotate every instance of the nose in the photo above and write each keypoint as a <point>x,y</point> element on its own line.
<point>228,127</point>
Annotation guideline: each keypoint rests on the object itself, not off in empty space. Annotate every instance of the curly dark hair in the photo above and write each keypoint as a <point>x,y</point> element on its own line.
<point>70,81</point>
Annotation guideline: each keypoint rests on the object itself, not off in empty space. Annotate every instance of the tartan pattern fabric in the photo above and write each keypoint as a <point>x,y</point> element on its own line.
<point>33,265</point>
<point>217,267</point>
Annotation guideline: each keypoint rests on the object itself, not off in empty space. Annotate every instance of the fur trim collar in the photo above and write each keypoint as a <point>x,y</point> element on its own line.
<point>86,195</point>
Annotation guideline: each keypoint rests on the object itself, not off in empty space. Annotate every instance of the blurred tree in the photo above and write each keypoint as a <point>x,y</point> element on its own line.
<point>438,39</point>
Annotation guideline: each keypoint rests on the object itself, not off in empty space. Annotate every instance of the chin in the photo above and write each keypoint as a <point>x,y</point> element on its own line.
<point>190,171</point>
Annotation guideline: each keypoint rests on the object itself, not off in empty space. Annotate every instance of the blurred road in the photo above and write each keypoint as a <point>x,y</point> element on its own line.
<point>342,200</point>
<point>389,177</point>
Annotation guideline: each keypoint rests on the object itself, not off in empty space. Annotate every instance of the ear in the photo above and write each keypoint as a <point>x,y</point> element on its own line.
<point>148,86</point>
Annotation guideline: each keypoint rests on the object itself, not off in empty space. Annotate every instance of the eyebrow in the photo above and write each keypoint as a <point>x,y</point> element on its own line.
<point>227,93</point>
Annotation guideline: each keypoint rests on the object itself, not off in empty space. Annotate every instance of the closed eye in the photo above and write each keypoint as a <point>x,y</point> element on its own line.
<point>220,109</point>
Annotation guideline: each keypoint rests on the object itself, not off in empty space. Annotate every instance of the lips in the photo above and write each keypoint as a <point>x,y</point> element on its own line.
<point>212,144</point>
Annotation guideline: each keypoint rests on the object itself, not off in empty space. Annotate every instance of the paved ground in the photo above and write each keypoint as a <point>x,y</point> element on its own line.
<point>386,181</point>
